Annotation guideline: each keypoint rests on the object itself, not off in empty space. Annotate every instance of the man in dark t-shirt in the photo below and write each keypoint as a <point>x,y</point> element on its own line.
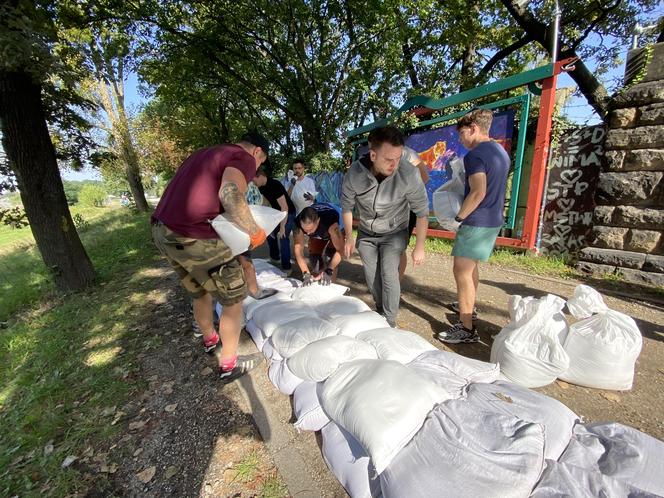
<point>326,243</point>
<point>279,199</point>
<point>209,182</point>
<point>481,216</point>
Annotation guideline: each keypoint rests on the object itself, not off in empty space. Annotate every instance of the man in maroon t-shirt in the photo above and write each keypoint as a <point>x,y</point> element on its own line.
<point>209,182</point>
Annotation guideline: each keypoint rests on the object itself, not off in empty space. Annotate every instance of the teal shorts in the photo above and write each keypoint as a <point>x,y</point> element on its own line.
<point>475,242</point>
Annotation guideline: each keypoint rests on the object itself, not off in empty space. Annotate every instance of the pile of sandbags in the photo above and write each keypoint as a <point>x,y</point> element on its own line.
<point>538,345</point>
<point>399,417</point>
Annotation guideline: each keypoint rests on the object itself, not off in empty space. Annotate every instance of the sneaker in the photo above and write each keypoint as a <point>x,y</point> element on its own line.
<point>209,345</point>
<point>458,334</point>
<point>455,307</point>
<point>244,364</point>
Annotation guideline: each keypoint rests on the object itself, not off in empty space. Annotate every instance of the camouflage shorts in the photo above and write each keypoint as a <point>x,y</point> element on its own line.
<point>204,266</point>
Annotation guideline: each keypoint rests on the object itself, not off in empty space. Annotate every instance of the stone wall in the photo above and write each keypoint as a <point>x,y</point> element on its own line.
<point>628,222</point>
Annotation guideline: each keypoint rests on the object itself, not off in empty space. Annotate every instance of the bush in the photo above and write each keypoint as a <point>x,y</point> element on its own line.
<point>79,222</point>
<point>14,217</point>
<point>92,196</point>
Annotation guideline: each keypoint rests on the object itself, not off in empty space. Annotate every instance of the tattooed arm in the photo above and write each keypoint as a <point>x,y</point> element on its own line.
<point>232,197</point>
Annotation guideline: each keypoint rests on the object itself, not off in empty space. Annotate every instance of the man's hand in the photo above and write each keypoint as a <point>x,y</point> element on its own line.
<point>257,239</point>
<point>349,247</point>
<point>307,279</point>
<point>282,232</point>
<point>418,256</point>
<point>326,277</point>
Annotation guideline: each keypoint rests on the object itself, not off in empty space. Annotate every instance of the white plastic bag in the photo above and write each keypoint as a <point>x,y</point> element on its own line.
<point>306,408</point>
<point>446,206</point>
<point>382,419</point>
<point>289,337</point>
<point>281,376</point>
<point>270,316</point>
<point>343,305</point>
<point>457,183</point>
<point>529,350</point>
<point>349,462</point>
<point>318,294</point>
<point>237,240</point>
<point>317,361</point>
<point>353,324</point>
<point>395,344</point>
<point>603,347</point>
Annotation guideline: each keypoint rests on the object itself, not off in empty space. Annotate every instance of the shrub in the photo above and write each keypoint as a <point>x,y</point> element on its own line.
<point>92,196</point>
<point>14,217</point>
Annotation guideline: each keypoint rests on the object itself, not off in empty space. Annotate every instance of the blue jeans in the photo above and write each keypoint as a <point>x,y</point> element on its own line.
<point>283,244</point>
<point>380,256</point>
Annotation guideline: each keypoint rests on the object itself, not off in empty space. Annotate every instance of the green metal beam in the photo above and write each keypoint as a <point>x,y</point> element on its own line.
<point>518,161</point>
<point>515,81</point>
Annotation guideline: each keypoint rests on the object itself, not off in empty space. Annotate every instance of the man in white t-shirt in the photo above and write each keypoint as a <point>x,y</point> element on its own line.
<point>302,189</point>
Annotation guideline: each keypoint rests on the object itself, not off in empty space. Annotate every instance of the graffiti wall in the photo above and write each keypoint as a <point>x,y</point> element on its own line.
<point>574,170</point>
<point>438,146</point>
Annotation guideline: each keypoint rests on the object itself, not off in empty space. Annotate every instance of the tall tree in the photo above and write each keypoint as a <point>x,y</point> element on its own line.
<point>107,52</point>
<point>581,21</point>
<point>31,55</point>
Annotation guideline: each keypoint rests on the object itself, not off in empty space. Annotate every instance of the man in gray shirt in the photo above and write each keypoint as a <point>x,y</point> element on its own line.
<point>384,189</point>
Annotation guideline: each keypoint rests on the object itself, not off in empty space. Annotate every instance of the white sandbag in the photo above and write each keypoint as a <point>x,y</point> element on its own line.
<point>236,239</point>
<point>349,463</point>
<point>463,452</point>
<point>255,334</point>
<point>250,305</point>
<point>557,420</point>
<point>270,352</point>
<point>264,266</point>
<point>620,452</point>
<point>318,294</point>
<point>344,305</point>
<point>353,324</point>
<point>289,337</point>
<point>307,410</point>
<point>396,344</point>
<point>270,316</point>
<point>529,350</point>
<point>453,372</point>
<point>283,379</point>
<point>382,420</point>
<point>446,206</point>
<point>317,361</point>
<point>602,348</point>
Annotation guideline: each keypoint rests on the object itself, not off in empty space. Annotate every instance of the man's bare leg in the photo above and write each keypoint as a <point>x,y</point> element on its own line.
<point>203,316</point>
<point>466,276</point>
<point>229,330</point>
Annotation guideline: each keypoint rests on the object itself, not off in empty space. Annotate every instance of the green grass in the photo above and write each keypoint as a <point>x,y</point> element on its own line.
<point>247,469</point>
<point>273,487</point>
<point>539,265</point>
<point>65,359</point>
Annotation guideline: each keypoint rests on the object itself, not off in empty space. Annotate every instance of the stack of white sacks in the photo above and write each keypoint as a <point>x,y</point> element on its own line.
<point>538,345</point>
<point>401,418</point>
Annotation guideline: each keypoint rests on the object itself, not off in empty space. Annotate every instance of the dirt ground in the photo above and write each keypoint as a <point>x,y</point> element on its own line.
<point>188,436</point>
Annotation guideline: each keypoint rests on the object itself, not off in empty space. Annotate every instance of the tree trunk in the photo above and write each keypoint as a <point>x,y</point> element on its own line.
<point>32,157</point>
<point>313,140</point>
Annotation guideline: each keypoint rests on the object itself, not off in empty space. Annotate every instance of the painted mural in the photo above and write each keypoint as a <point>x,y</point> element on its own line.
<point>438,146</point>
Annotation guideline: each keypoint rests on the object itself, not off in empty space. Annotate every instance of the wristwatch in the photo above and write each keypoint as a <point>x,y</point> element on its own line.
<point>458,219</point>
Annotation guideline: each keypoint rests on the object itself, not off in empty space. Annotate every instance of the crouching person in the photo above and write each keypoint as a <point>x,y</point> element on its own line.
<point>320,222</point>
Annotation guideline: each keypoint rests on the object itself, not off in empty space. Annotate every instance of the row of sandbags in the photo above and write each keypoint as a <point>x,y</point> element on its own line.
<point>538,345</point>
<point>400,418</point>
